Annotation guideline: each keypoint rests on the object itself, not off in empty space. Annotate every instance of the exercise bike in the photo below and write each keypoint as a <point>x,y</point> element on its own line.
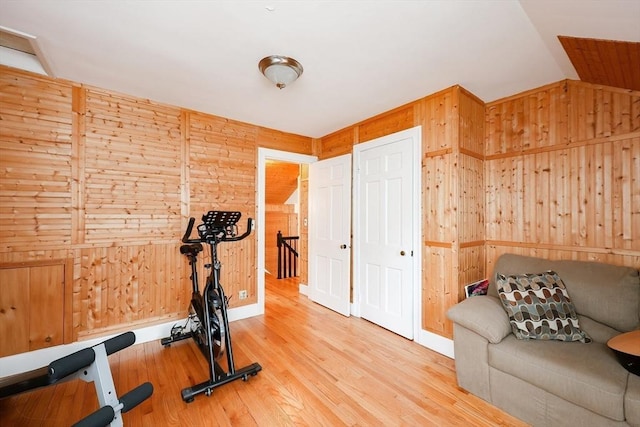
<point>208,322</point>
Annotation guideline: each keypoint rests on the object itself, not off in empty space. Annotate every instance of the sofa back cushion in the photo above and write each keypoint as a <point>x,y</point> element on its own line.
<point>609,294</point>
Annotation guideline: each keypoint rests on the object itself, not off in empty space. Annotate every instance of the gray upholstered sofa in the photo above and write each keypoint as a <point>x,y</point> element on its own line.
<point>553,383</point>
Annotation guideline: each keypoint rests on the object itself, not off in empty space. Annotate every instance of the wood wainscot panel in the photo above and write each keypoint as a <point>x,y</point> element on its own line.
<point>437,296</point>
<point>35,305</point>
<point>123,286</point>
<point>471,265</point>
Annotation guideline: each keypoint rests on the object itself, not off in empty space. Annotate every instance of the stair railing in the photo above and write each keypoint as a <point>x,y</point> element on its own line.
<point>287,256</point>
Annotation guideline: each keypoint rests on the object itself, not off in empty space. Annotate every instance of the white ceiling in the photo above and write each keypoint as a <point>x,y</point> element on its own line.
<point>360,58</point>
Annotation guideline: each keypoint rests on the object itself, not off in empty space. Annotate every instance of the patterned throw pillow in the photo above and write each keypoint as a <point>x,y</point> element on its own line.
<point>539,307</point>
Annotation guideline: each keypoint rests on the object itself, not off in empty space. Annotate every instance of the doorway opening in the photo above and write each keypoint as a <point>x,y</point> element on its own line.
<point>266,265</point>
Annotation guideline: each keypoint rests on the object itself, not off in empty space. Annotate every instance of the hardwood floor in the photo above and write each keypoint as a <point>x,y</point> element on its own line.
<point>319,369</point>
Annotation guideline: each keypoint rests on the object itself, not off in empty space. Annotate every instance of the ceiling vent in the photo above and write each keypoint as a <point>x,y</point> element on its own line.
<point>20,50</point>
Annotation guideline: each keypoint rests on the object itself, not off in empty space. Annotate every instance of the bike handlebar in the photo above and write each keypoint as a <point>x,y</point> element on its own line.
<point>243,235</point>
<point>186,237</point>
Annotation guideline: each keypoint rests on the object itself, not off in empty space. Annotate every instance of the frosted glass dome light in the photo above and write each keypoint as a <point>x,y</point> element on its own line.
<point>281,70</point>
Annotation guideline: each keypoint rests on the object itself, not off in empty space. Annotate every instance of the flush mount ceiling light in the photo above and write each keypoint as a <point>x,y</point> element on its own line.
<point>281,70</point>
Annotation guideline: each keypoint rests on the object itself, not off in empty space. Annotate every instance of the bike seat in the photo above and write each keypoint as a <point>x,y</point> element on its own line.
<point>191,249</point>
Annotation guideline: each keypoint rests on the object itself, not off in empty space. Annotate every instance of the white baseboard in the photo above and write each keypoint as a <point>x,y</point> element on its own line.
<point>24,362</point>
<point>303,289</point>
<point>436,343</point>
<point>29,361</point>
<point>244,312</point>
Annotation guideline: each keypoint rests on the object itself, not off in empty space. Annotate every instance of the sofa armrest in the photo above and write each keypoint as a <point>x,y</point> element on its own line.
<point>483,315</point>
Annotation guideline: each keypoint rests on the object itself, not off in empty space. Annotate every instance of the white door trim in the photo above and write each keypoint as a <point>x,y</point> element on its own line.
<point>415,134</point>
<point>265,154</point>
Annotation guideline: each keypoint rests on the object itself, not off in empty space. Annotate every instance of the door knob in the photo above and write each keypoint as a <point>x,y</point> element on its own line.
<point>343,246</point>
<point>402,253</point>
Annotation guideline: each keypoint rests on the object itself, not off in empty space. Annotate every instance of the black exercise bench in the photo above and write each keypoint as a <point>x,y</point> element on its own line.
<point>90,365</point>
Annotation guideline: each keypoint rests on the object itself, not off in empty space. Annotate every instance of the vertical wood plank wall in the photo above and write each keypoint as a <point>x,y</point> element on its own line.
<point>96,187</point>
<point>553,172</point>
<point>562,174</point>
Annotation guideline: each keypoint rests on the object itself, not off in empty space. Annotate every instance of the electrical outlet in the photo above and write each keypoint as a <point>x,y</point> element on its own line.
<point>243,294</point>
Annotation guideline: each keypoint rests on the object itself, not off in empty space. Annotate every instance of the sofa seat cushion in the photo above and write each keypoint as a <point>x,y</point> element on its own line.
<point>587,375</point>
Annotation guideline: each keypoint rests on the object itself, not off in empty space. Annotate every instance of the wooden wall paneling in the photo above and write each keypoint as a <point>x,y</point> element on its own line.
<point>437,115</point>
<point>555,156</point>
<point>46,305</point>
<point>281,181</point>
<point>133,170</point>
<point>35,177</point>
<point>277,218</point>
<point>627,177</point>
<point>33,305</point>
<point>559,197</point>
<point>185,162</point>
<point>78,172</point>
<point>393,121</point>
<point>468,177</point>
<point>14,311</point>
<point>441,204</point>
<point>222,159</point>
<point>495,249</point>
<point>471,266</point>
<point>283,141</point>
<point>239,270</point>
<point>106,181</point>
<point>492,199</point>
<point>472,120</point>
<point>222,177</point>
<point>124,286</point>
<point>578,191</point>
<point>438,276</point>
<point>541,195</point>
<point>471,199</point>
<point>532,119</point>
<point>600,111</point>
<point>338,143</point>
<point>560,216</point>
<point>436,201</point>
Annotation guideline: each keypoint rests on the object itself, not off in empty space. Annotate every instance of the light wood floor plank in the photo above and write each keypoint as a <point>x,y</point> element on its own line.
<point>319,369</point>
